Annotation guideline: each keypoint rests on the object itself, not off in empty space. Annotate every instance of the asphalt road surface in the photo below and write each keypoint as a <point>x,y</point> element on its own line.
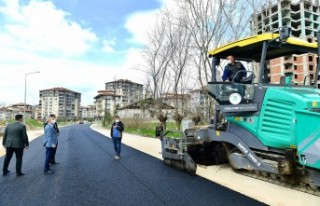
<point>89,175</point>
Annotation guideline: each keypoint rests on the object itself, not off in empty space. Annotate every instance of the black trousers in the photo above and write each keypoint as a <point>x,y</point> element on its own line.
<point>9,153</point>
<point>53,156</point>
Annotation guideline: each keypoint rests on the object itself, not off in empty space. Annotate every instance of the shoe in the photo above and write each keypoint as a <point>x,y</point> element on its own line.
<point>48,172</point>
<point>116,157</point>
<point>54,163</point>
<point>5,173</point>
<point>20,174</point>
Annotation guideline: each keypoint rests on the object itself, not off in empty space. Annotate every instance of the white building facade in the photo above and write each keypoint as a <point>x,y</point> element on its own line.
<point>62,102</point>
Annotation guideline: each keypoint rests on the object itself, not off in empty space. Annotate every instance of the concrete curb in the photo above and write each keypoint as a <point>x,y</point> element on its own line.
<point>268,193</point>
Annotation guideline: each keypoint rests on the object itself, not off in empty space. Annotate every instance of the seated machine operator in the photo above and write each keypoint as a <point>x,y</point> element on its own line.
<point>231,70</point>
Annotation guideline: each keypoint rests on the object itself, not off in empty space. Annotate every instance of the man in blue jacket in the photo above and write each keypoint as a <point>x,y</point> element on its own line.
<point>55,126</point>
<point>51,140</point>
<point>116,134</point>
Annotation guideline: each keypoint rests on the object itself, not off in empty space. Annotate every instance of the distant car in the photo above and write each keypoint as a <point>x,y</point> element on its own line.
<point>81,122</point>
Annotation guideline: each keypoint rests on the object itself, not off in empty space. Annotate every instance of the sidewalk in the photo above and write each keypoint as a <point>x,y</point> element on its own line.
<point>32,134</point>
<point>268,193</point>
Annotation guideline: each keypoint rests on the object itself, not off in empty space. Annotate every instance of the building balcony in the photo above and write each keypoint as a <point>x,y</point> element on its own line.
<point>288,71</point>
<point>294,10</point>
<point>286,8</point>
<point>288,62</point>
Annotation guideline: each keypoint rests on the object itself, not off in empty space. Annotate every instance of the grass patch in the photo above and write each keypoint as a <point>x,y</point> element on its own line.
<point>145,128</point>
<point>32,123</point>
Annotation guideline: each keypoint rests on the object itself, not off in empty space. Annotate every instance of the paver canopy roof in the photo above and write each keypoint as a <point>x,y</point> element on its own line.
<point>250,48</point>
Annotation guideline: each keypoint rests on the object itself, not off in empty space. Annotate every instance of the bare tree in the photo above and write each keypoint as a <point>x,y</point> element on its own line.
<point>179,39</point>
<point>182,39</point>
<point>158,57</point>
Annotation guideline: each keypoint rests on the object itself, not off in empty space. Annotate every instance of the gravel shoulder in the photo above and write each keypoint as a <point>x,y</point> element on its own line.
<point>32,134</point>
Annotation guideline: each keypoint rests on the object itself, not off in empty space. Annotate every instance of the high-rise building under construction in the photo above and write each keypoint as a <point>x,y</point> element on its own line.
<point>304,19</point>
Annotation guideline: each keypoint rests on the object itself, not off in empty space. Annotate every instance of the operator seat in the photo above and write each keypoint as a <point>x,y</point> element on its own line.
<point>283,80</point>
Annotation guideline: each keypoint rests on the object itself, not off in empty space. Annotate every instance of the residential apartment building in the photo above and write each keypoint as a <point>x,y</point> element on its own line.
<point>5,114</point>
<point>304,19</point>
<point>200,101</point>
<point>37,112</point>
<point>177,101</point>
<point>144,109</point>
<point>106,101</point>
<point>127,90</point>
<point>9,113</point>
<point>60,101</point>
<point>88,112</point>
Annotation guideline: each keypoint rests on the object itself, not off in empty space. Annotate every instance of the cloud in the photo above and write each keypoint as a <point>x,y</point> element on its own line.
<point>11,9</point>
<point>108,46</point>
<point>84,77</point>
<point>40,37</point>
<point>40,27</point>
<point>139,24</point>
<point>133,67</point>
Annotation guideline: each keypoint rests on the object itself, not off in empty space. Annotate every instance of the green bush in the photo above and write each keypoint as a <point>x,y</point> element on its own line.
<point>2,122</point>
<point>107,119</point>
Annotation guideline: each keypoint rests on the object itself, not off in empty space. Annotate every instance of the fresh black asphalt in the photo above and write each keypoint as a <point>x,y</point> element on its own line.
<point>89,175</point>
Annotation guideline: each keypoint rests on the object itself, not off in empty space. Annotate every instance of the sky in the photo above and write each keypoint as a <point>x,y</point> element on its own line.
<point>76,44</point>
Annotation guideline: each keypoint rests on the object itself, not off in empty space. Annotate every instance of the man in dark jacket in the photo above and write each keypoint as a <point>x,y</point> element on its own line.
<point>232,72</point>
<point>116,135</point>
<point>15,139</point>
<point>232,68</point>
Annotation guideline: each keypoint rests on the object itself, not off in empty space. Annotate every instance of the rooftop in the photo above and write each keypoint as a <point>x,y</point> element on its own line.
<point>147,104</point>
<point>123,81</point>
<point>19,104</point>
<point>60,89</point>
<point>175,96</point>
<point>106,93</point>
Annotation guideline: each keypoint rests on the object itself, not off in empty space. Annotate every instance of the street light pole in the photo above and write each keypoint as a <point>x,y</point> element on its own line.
<point>25,94</point>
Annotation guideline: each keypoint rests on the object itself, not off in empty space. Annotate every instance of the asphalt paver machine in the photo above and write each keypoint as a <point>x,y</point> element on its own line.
<point>264,130</point>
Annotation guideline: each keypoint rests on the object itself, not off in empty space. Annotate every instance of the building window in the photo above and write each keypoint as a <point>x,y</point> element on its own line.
<point>310,58</point>
<point>294,58</point>
<point>310,68</point>
<point>295,67</point>
<point>296,76</point>
<point>287,67</point>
